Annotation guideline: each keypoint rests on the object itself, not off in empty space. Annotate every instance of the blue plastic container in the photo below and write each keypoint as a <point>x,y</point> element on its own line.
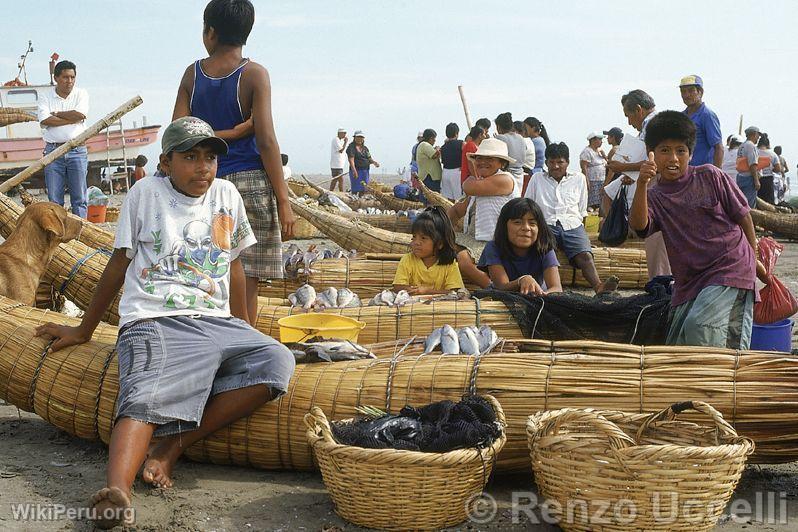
<point>773,336</point>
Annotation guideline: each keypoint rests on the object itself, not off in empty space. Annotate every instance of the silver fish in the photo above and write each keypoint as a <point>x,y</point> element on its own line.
<point>304,296</point>
<point>403,298</point>
<point>309,256</point>
<point>384,299</point>
<point>338,202</point>
<point>327,299</point>
<point>469,344</point>
<point>486,337</point>
<point>347,298</point>
<point>433,340</point>
<point>332,351</point>
<point>449,343</point>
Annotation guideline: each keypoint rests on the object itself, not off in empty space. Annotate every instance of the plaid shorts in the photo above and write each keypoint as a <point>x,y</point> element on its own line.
<point>264,259</point>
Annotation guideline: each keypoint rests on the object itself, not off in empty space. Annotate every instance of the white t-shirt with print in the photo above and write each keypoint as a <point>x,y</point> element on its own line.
<point>180,248</point>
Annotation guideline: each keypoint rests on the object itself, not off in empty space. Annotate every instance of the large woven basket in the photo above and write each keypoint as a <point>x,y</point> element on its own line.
<point>390,489</point>
<point>612,470</point>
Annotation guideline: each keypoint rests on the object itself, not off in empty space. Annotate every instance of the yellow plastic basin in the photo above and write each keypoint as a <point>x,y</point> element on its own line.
<point>301,327</point>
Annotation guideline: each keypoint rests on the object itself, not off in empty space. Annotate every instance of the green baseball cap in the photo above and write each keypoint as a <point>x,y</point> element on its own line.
<point>188,131</point>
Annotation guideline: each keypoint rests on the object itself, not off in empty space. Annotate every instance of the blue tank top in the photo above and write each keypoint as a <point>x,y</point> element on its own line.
<point>215,100</point>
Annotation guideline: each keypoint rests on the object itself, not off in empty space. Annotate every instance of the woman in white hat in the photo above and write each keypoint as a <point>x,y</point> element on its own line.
<point>488,191</point>
<point>594,166</point>
<point>360,162</point>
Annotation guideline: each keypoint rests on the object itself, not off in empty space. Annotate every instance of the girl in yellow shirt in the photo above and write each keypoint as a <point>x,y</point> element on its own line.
<point>430,267</point>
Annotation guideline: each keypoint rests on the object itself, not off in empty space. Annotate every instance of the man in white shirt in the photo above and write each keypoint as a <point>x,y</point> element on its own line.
<point>338,159</point>
<point>62,115</point>
<point>562,197</point>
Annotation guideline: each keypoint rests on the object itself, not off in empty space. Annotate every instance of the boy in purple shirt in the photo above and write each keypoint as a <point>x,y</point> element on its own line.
<point>709,235</point>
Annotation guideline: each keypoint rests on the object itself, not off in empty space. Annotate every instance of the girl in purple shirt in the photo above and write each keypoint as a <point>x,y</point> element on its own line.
<point>521,255</point>
<point>709,235</point>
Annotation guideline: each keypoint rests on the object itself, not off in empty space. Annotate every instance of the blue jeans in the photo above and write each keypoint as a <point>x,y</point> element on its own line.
<point>68,171</point>
<point>746,184</point>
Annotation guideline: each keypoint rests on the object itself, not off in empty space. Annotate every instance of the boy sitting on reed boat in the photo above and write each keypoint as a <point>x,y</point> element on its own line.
<point>562,196</point>
<point>182,312</point>
<point>705,221</point>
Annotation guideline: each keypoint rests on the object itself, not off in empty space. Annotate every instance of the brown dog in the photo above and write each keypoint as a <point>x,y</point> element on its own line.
<point>27,251</point>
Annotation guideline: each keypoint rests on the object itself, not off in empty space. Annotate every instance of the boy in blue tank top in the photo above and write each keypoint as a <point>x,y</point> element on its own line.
<point>233,95</point>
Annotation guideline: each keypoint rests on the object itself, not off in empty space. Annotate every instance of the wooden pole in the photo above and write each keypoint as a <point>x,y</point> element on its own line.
<point>95,128</point>
<point>465,106</point>
<point>740,127</point>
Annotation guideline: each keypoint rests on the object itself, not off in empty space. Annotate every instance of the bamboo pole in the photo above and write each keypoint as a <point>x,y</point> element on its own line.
<point>95,128</point>
<point>740,126</point>
<point>465,106</point>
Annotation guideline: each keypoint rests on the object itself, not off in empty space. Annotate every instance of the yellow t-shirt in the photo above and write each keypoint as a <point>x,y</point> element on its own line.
<point>412,272</point>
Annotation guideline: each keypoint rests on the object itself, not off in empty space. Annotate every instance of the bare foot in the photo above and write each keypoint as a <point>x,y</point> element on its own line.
<point>609,285</point>
<point>112,508</point>
<point>158,466</point>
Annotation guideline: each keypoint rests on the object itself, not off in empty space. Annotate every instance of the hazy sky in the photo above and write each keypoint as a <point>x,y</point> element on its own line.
<point>392,68</point>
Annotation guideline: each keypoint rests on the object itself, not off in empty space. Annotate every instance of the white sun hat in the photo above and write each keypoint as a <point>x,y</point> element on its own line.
<point>595,135</point>
<point>492,148</point>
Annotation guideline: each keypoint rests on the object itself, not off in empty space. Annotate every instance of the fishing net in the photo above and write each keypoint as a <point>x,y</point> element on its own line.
<point>640,319</point>
<point>437,427</point>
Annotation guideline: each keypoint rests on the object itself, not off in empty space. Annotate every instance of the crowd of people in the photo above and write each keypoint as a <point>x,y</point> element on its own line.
<point>520,198</point>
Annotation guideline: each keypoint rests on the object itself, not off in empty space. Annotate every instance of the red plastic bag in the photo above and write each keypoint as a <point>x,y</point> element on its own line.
<point>777,303</point>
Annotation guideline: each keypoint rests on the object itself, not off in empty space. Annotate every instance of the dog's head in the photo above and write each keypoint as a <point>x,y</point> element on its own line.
<point>53,220</point>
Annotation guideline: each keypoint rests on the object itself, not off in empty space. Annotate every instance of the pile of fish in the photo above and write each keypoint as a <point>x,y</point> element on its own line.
<point>307,298</point>
<point>295,257</point>
<point>410,213</point>
<point>468,340</point>
<point>388,298</point>
<point>328,351</point>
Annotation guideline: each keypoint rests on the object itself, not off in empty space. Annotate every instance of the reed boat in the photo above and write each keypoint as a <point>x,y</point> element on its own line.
<point>75,389</point>
<point>779,223</point>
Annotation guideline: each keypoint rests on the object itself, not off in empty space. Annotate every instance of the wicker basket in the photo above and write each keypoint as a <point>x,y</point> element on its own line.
<point>612,470</point>
<point>390,489</point>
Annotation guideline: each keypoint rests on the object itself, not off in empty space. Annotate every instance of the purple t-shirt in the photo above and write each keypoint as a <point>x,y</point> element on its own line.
<point>533,263</point>
<point>699,216</point>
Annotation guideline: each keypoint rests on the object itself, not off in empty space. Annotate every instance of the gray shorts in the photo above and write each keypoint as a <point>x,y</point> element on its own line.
<point>170,366</point>
<point>719,316</point>
<point>571,241</point>
<point>337,173</point>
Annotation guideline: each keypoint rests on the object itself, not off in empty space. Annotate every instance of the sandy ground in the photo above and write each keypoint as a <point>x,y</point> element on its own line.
<point>41,465</point>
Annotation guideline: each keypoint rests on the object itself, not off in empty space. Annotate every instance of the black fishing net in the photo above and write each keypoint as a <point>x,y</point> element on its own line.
<point>437,427</point>
<point>640,319</point>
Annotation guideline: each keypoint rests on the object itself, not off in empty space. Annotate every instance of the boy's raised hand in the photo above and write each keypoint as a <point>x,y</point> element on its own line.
<point>648,170</point>
<point>63,335</point>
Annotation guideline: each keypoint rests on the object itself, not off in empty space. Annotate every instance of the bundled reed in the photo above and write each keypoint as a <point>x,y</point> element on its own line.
<point>434,198</point>
<point>782,224</point>
<point>367,277</point>
<point>75,389</point>
<point>390,323</point>
<point>304,230</point>
<point>306,189</point>
<point>36,316</point>
<point>91,234</point>
<point>16,116</point>
<point>391,201</point>
<point>353,234</point>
